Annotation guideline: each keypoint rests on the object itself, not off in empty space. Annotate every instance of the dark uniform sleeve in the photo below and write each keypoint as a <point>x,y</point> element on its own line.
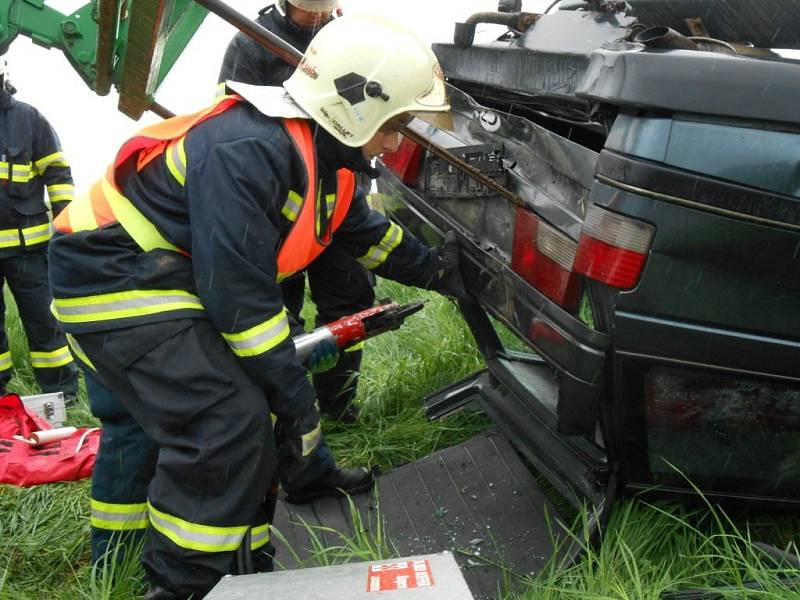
<point>384,247</point>
<point>234,248</point>
<point>51,165</point>
<point>247,62</point>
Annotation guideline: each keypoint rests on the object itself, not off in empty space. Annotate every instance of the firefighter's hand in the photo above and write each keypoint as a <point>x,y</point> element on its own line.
<point>448,280</point>
<point>323,357</point>
<point>304,434</point>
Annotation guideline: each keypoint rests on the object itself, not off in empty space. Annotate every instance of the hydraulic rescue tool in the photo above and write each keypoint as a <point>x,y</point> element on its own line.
<point>352,329</point>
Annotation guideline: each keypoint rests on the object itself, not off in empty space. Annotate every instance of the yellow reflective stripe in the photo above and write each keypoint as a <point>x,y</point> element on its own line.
<point>37,234</point>
<point>81,214</point>
<point>22,173</point>
<point>205,538</point>
<point>292,206</point>
<point>51,359</point>
<point>118,517</point>
<point>330,203</point>
<point>176,161</point>
<point>3,170</point>
<point>261,338</point>
<point>78,351</point>
<point>143,232</point>
<point>121,305</point>
<point>355,347</point>
<point>56,159</point>
<point>377,255</point>
<point>9,238</point>
<point>311,439</point>
<point>5,361</point>
<point>220,90</point>
<point>61,192</point>
<point>259,536</point>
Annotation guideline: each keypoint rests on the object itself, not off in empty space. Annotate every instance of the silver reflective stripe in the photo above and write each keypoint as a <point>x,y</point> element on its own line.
<point>291,207</point>
<point>205,538</point>
<point>9,237</point>
<point>119,517</point>
<point>3,170</point>
<point>21,173</point>
<point>377,255</point>
<point>131,303</point>
<point>259,536</point>
<point>5,361</point>
<point>178,161</point>
<point>47,357</point>
<point>254,341</point>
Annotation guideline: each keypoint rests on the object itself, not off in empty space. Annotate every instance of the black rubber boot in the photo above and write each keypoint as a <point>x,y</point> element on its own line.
<point>339,482</point>
<point>156,592</point>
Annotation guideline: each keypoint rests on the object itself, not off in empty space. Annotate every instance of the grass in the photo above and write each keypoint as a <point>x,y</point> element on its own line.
<point>648,548</point>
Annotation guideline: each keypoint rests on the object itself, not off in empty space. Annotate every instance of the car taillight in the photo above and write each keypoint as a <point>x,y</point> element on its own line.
<point>543,257</point>
<point>613,248</point>
<point>405,161</point>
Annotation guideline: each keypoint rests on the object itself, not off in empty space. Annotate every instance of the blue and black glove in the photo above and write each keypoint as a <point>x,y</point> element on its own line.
<point>323,357</point>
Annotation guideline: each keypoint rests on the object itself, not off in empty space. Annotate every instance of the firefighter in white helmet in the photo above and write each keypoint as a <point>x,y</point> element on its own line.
<point>296,21</point>
<point>173,294</point>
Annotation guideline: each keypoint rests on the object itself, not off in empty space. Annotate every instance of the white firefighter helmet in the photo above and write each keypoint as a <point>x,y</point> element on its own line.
<point>320,6</point>
<point>360,71</point>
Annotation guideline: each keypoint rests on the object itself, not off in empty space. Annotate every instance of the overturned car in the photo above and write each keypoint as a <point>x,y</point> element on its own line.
<point>648,255</point>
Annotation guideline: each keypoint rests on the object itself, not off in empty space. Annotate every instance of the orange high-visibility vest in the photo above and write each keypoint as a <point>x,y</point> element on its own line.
<point>104,204</point>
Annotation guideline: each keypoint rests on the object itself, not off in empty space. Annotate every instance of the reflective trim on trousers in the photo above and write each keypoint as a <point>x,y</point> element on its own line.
<point>52,359</point>
<point>377,255</point>
<point>5,361</point>
<point>121,305</point>
<point>118,517</point>
<point>259,536</point>
<point>261,338</point>
<point>194,536</point>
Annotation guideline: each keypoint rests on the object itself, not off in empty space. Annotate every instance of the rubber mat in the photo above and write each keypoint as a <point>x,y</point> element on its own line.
<point>477,500</point>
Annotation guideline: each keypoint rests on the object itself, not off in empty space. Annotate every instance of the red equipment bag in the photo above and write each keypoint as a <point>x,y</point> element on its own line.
<point>25,465</point>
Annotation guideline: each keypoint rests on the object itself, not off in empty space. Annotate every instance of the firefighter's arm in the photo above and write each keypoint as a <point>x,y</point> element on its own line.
<point>234,246</point>
<point>248,62</point>
<point>50,163</point>
<point>384,247</point>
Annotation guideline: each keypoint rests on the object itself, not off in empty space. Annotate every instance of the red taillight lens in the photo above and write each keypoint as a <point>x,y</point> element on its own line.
<point>613,248</point>
<point>405,162</point>
<point>543,257</point>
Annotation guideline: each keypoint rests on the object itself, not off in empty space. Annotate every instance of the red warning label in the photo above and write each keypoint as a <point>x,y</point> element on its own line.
<point>399,576</point>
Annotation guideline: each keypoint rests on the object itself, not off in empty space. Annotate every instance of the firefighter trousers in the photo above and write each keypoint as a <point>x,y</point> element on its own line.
<point>339,286</point>
<point>26,276</point>
<point>215,453</point>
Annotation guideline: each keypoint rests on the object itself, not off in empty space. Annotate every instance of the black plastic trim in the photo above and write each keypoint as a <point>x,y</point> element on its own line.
<point>702,192</point>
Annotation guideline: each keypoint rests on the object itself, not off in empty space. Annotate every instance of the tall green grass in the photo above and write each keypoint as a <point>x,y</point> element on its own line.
<point>647,549</point>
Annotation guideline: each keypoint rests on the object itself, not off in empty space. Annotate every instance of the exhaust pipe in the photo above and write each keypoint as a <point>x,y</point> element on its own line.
<point>520,22</point>
<point>664,37</point>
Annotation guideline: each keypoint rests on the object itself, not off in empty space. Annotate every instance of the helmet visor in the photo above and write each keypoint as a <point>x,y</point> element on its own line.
<point>439,119</point>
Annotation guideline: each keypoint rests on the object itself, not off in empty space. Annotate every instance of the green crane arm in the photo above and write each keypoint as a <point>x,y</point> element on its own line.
<point>131,44</point>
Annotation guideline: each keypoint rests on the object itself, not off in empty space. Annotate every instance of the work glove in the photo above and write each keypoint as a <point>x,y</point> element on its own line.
<point>447,279</point>
<point>323,357</point>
